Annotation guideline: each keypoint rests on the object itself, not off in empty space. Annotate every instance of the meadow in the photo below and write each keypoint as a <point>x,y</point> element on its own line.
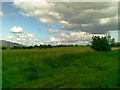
<point>60,67</point>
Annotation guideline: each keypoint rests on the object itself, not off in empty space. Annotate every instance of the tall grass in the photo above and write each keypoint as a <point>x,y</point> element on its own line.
<point>75,67</point>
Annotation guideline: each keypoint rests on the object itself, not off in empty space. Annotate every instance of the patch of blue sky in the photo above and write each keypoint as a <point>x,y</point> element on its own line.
<point>30,25</point>
<point>114,34</point>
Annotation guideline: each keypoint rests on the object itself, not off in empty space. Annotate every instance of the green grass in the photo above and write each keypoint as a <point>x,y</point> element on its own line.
<point>64,67</point>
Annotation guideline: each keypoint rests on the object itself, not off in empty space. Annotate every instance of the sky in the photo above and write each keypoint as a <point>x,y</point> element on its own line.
<point>32,23</point>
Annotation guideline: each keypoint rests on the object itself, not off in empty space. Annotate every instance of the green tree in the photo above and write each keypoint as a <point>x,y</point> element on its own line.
<point>3,47</point>
<point>100,44</point>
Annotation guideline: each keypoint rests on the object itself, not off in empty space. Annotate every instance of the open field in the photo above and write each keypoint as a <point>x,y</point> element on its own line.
<point>62,67</point>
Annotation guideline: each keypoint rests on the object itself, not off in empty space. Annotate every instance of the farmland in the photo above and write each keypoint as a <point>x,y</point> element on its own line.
<point>60,67</point>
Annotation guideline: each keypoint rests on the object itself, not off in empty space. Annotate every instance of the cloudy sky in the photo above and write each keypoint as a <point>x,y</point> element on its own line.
<point>54,23</point>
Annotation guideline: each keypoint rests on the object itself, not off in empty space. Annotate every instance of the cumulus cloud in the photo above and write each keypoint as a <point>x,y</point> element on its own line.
<point>52,31</point>
<point>26,38</point>
<point>19,36</point>
<point>16,29</point>
<point>92,17</point>
<point>84,19</point>
<point>79,38</point>
<point>74,38</point>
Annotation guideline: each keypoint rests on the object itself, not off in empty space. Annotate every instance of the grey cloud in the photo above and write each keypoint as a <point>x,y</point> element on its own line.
<point>84,16</point>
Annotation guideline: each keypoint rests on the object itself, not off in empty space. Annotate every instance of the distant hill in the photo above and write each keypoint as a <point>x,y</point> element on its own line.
<point>8,43</point>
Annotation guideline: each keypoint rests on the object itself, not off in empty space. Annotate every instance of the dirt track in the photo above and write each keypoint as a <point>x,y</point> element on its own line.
<point>116,48</point>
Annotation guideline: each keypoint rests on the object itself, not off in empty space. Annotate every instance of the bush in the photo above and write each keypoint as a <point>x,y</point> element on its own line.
<point>3,48</point>
<point>115,44</point>
<point>100,44</point>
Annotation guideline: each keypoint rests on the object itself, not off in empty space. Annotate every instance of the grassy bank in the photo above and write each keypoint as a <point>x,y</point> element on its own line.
<point>73,67</point>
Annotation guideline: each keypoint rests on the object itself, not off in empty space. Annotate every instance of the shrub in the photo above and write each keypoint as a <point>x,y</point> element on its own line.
<point>115,44</point>
<point>3,48</point>
<point>100,44</point>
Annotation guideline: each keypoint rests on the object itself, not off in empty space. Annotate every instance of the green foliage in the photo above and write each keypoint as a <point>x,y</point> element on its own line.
<point>3,47</point>
<point>115,44</point>
<point>100,44</point>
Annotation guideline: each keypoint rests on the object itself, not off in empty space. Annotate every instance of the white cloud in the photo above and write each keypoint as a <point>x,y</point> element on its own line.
<point>27,38</point>
<point>22,37</point>
<point>52,31</point>
<point>53,39</point>
<point>76,36</point>
<point>45,20</point>
<point>71,38</point>
<point>89,17</point>
<point>37,9</point>
<point>1,13</point>
<point>78,17</point>
<point>16,29</point>
<point>79,38</point>
<point>64,22</point>
<point>104,20</point>
<point>54,14</point>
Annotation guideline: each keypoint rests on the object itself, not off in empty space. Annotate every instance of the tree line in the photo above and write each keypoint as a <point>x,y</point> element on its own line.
<point>36,47</point>
<point>97,44</point>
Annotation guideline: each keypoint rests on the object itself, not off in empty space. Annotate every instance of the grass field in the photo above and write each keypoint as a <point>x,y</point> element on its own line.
<point>62,67</point>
